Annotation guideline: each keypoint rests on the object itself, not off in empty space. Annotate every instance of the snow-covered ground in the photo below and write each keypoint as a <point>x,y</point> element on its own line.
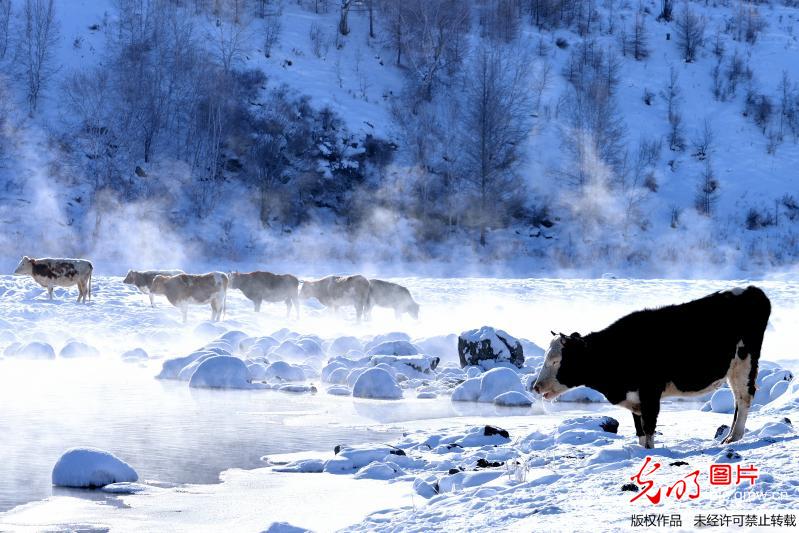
<point>422,462</point>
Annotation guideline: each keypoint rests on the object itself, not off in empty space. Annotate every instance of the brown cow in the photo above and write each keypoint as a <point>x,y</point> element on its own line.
<point>50,273</point>
<point>143,280</point>
<point>184,289</point>
<point>261,286</point>
<point>387,294</point>
<point>338,291</point>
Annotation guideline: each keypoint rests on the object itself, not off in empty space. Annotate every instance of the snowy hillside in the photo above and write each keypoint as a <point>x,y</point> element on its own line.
<point>163,133</point>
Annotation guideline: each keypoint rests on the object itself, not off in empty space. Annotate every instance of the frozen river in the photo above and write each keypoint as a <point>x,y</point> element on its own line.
<point>173,434</point>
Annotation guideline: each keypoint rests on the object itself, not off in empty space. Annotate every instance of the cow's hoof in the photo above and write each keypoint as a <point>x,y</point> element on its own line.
<point>647,441</point>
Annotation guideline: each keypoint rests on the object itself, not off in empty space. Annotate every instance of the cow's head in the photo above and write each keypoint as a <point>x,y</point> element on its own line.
<point>308,290</point>
<point>564,366</point>
<point>159,284</point>
<point>25,266</point>
<point>234,278</point>
<point>130,278</point>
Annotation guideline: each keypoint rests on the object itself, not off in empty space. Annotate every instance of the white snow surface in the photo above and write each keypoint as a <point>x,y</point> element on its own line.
<point>553,457</point>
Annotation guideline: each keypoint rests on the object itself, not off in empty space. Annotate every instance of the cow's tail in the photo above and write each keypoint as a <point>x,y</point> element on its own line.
<point>89,289</point>
<point>225,283</point>
<point>758,309</point>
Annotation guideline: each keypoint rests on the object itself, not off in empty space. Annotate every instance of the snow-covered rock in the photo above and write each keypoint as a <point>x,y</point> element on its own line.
<point>393,348</point>
<point>339,390</point>
<point>488,386</point>
<point>378,384</point>
<point>343,345</point>
<point>283,371</point>
<point>221,372</point>
<point>513,399</point>
<point>351,458</point>
<point>31,350</point>
<point>74,349</point>
<point>209,330</point>
<point>379,470</point>
<point>257,371</point>
<point>91,468</point>
<point>136,354</point>
<point>582,394</point>
<point>722,401</point>
<point>386,337</point>
<point>423,364</point>
<point>488,347</point>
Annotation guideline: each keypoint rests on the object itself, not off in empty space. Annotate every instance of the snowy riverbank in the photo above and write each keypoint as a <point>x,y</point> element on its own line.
<point>421,462</point>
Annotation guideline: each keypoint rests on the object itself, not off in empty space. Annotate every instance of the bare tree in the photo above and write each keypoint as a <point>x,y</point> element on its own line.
<point>343,25</point>
<point>229,40</point>
<point>273,24</point>
<point>707,191</point>
<point>640,39</point>
<point>671,93</point>
<point>5,19</point>
<point>666,9</point>
<point>690,34</point>
<point>703,142</point>
<point>436,40</point>
<point>496,124</point>
<point>36,47</point>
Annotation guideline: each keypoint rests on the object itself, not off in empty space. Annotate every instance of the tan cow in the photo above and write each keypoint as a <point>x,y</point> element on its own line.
<point>143,280</point>
<point>200,289</point>
<point>261,286</point>
<point>387,294</point>
<point>50,273</point>
<point>338,291</point>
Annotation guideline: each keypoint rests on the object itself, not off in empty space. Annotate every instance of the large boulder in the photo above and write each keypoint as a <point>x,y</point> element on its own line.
<point>91,468</point>
<point>32,350</point>
<point>488,347</point>
<point>221,372</point>
<point>376,383</point>
<point>74,349</point>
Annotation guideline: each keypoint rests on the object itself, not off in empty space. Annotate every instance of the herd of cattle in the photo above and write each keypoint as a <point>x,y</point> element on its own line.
<point>678,350</point>
<point>183,289</point>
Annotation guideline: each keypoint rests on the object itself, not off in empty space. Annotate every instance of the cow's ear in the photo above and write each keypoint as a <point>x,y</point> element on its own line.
<point>553,333</point>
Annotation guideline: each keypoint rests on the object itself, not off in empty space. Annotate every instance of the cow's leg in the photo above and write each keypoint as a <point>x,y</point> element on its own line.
<point>739,378</point>
<point>296,302</point>
<point>152,299</point>
<point>49,293</point>
<point>288,307</point>
<point>216,310</point>
<point>639,429</point>
<point>257,305</point>
<point>358,313</point>
<point>184,309</point>
<point>80,291</point>
<point>650,408</point>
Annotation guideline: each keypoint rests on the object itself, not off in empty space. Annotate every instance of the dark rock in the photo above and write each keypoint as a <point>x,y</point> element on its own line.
<point>483,463</point>
<point>722,429</point>
<point>629,487</point>
<point>140,172</point>
<point>494,430</point>
<point>453,445</point>
<point>337,449</point>
<point>397,451</point>
<point>678,463</point>
<point>609,424</point>
<point>473,352</point>
<point>787,421</point>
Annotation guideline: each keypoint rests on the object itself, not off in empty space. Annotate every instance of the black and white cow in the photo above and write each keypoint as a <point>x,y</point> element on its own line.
<point>679,350</point>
